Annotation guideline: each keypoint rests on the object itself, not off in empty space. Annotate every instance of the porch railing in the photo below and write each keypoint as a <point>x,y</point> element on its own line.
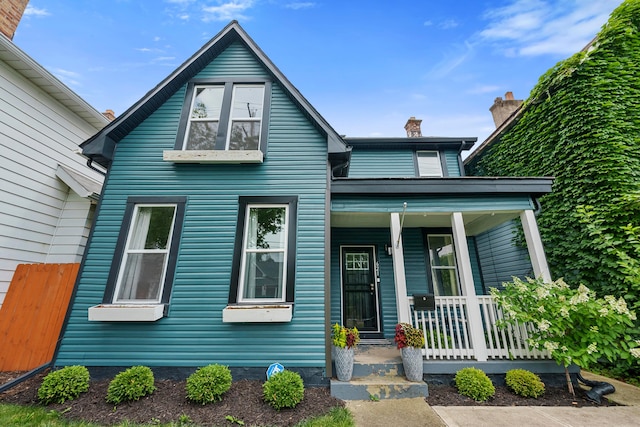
<point>448,334</point>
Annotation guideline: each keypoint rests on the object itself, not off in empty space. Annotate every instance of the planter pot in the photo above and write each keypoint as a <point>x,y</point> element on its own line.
<point>412,363</point>
<point>343,358</point>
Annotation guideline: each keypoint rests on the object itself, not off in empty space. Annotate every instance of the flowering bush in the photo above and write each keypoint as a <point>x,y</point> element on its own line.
<point>408,336</point>
<point>572,324</point>
<point>342,337</point>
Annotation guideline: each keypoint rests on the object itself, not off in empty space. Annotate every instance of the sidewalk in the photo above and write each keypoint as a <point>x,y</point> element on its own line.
<point>416,413</point>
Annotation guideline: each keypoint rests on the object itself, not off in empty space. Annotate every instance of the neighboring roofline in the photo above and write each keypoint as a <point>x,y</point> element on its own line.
<point>464,143</point>
<point>458,185</point>
<point>80,183</point>
<point>506,125</point>
<point>129,119</point>
<point>27,67</point>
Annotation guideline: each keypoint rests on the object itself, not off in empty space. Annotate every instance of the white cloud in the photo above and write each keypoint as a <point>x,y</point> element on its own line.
<point>300,5</point>
<point>448,24</point>
<point>428,23</point>
<point>482,89</point>
<point>226,11</point>
<point>539,27</point>
<point>458,55</point>
<point>143,49</point>
<point>34,11</point>
<point>65,73</point>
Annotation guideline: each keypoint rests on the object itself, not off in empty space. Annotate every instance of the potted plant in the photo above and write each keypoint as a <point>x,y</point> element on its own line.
<point>410,341</point>
<point>344,341</point>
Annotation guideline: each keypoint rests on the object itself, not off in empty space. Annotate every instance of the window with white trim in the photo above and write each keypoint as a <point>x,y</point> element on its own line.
<point>429,163</point>
<point>442,263</point>
<point>264,264</point>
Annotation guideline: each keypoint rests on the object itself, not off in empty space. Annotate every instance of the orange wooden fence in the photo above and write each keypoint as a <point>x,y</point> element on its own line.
<point>32,314</point>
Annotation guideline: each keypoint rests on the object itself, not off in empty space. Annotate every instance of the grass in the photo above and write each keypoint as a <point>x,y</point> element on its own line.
<point>31,416</point>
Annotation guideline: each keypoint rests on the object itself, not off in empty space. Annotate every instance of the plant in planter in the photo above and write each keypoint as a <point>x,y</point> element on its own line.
<point>410,341</point>
<point>344,341</point>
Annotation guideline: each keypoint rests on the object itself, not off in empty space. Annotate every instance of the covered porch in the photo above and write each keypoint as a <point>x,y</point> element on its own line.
<point>441,248</point>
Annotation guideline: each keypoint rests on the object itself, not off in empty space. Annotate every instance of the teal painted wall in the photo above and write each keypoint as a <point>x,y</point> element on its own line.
<point>193,333</point>
<point>387,163</point>
<point>500,258</point>
<point>444,203</point>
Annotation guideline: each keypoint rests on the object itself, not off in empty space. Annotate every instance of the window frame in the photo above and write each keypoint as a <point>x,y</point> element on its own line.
<point>126,228</point>
<point>431,279</point>
<point>440,161</point>
<point>239,254</point>
<point>224,122</point>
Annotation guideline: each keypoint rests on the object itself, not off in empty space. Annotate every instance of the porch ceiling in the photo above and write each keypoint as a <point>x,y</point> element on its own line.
<point>474,222</point>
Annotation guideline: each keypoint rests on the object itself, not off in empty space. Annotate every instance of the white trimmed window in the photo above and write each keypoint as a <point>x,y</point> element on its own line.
<point>263,269</point>
<point>429,163</point>
<point>202,129</point>
<point>144,264</point>
<point>442,263</point>
<point>245,117</point>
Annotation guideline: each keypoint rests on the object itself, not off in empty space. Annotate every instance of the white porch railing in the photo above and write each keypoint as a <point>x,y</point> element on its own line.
<point>448,335</point>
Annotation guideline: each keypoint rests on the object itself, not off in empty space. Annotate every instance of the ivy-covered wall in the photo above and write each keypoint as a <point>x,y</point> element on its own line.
<point>581,124</point>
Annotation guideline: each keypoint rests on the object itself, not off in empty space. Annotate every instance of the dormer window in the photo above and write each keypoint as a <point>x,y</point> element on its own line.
<point>429,164</point>
<point>223,122</point>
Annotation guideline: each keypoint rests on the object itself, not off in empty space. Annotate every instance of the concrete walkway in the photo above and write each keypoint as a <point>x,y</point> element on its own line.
<point>415,412</point>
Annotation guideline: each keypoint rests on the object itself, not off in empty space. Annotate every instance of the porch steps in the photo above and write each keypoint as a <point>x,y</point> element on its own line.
<point>377,375</point>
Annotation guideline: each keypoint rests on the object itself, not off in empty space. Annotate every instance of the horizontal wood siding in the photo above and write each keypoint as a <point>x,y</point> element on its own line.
<point>500,258</point>
<point>193,333</point>
<point>365,236</point>
<point>451,160</point>
<point>444,203</point>
<point>382,163</point>
<point>476,271</point>
<point>36,134</point>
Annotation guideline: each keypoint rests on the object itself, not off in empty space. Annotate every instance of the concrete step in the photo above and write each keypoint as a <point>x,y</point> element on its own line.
<point>376,387</point>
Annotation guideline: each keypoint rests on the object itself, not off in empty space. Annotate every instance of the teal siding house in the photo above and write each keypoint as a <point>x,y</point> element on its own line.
<point>236,225</point>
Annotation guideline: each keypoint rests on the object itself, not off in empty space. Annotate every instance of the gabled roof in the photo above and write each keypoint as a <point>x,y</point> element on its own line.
<point>23,64</point>
<point>100,147</point>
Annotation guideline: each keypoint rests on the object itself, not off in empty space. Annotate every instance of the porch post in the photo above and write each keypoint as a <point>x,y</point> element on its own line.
<point>476,329</point>
<point>397,252</point>
<point>534,245</point>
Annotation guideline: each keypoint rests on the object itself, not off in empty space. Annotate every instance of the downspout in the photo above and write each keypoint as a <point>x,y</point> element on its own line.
<point>26,376</point>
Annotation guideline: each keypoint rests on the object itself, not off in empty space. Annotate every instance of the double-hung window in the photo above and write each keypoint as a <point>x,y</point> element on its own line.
<point>442,264</point>
<point>263,270</point>
<point>429,164</point>
<point>223,121</point>
<point>142,271</point>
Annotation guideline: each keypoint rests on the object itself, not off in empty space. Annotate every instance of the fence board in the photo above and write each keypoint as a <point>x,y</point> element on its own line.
<point>32,314</point>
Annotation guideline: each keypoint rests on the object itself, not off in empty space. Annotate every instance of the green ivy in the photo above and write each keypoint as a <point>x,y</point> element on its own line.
<point>581,125</point>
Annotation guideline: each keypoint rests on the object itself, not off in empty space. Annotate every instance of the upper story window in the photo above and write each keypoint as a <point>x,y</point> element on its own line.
<point>220,119</point>
<point>429,163</point>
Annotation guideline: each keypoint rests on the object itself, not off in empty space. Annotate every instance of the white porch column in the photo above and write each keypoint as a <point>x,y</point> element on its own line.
<point>397,252</point>
<point>534,245</point>
<point>476,330</point>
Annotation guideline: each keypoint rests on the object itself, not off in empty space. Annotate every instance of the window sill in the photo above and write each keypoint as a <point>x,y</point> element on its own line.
<point>257,313</point>
<point>213,156</point>
<point>126,313</point>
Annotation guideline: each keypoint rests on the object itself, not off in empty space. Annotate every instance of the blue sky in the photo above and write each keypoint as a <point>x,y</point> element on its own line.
<point>366,66</point>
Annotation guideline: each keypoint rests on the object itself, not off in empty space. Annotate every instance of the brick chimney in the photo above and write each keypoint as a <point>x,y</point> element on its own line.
<point>503,108</point>
<point>413,128</point>
<point>109,114</point>
<point>10,14</point>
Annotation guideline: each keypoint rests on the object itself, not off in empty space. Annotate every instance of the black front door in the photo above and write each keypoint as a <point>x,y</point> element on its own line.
<point>360,306</point>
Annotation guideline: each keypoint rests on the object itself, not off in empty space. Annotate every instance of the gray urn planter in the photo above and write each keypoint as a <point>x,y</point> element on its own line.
<point>412,363</point>
<point>343,359</point>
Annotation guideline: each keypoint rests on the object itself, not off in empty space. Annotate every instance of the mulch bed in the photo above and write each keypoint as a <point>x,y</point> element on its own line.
<point>243,402</point>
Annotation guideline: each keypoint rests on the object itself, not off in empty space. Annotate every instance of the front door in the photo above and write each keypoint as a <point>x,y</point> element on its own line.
<point>360,305</point>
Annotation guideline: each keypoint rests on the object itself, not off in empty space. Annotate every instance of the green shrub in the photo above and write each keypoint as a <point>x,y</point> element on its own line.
<point>475,384</point>
<point>208,384</point>
<point>524,383</point>
<point>64,384</point>
<point>131,384</point>
<point>283,390</point>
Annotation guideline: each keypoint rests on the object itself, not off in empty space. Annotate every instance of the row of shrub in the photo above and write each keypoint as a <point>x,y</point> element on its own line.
<point>206,385</point>
<point>474,383</point>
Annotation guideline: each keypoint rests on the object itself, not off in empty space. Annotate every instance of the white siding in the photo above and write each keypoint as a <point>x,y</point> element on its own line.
<point>40,219</point>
